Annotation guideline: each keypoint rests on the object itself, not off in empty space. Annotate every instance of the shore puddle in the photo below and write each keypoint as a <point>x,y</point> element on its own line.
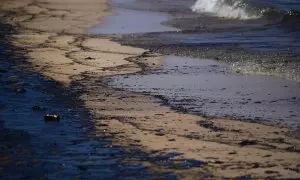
<point>206,87</point>
<point>127,21</point>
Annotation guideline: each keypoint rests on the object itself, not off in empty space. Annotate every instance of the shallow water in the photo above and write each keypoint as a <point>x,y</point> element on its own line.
<point>206,87</point>
<point>255,39</point>
<point>203,86</point>
<point>128,21</point>
<point>273,37</point>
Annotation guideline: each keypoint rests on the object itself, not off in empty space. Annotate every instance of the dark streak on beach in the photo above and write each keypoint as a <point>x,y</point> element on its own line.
<point>32,148</point>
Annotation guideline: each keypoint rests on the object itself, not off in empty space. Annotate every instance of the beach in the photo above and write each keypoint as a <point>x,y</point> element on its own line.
<point>55,39</point>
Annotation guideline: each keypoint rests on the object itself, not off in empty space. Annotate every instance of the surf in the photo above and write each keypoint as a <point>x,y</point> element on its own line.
<point>246,9</point>
<point>238,9</point>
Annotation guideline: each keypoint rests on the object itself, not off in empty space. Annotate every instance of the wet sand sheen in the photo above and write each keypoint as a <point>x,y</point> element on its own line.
<point>206,87</point>
<point>126,21</point>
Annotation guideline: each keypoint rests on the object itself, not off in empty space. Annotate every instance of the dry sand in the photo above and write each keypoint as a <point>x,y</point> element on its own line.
<point>53,34</point>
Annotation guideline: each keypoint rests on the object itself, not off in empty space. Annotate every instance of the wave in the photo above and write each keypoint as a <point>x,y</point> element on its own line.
<point>238,9</point>
<point>244,9</point>
<point>291,17</point>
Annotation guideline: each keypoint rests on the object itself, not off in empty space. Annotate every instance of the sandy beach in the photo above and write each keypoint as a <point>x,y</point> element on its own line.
<point>54,37</point>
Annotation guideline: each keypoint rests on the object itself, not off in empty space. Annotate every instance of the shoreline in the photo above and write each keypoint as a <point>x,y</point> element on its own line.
<point>230,54</point>
<point>156,82</point>
<point>32,148</point>
<point>68,55</point>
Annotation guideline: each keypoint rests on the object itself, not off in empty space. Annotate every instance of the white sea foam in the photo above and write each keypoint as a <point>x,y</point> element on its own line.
<point>224,8</point>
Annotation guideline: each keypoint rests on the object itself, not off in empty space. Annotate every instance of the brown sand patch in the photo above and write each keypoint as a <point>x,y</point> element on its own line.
<point>137,119</point>
<point>31,39</point>
<point>107,45</point>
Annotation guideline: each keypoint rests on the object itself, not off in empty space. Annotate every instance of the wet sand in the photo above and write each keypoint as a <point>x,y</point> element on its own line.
<point>206,87</point>
<point>32,148</point>
<point>54,36</point>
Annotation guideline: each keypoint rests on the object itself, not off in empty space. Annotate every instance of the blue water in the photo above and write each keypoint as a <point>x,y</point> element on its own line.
<point>285,5</point>
<point>276,40</point>
<point>259,36</point>
<point>265,25</point>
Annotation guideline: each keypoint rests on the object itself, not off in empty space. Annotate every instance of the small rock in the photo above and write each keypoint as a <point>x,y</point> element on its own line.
<point>268,155</point>
<point>292,149</point>
<point>159,134</point>
<point>255,165</point>
<point>247,142</point>
<point>210,125</point>
<point>279,140</point>
<point>218,162</point>
<point>17,87</point>
<point>89,58</point>
<point>189,163</point>
<point>103,124</point>
<point>232,152</point>
<point>145,54</point>
<point>243,178</point>
<point>51,117</point>
<point>38,108</point>
<point>270,172</point>
<point>83,168</point>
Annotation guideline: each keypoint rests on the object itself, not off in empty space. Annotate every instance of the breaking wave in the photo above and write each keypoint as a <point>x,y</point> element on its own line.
<point>238,9</point>
<point>244,9</point>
